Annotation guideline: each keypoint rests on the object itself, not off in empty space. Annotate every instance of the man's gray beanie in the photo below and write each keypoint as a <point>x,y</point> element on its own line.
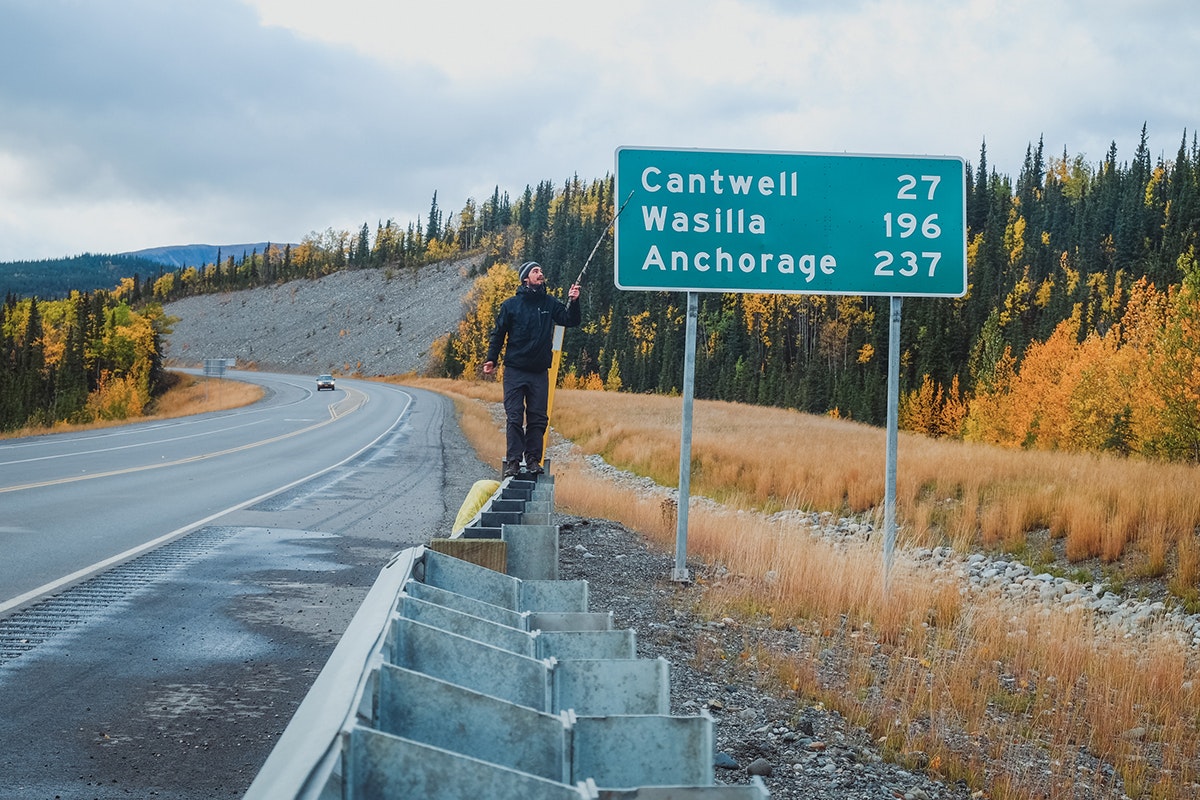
<point>525,269</point>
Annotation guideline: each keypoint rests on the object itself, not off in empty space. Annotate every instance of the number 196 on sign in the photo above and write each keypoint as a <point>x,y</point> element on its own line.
<point>906,225</point>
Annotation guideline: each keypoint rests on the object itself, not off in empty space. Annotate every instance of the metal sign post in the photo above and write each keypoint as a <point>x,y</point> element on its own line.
<point>680,573</point>
<point>893,415</point>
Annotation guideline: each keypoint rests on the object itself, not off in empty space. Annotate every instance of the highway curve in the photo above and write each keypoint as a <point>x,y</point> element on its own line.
<point>170,672</point>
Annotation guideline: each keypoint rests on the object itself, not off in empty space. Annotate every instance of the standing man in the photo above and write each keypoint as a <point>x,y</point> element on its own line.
<point>527,321</point>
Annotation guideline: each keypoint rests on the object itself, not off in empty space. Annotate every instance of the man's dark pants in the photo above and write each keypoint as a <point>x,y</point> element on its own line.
<point>525,397</point>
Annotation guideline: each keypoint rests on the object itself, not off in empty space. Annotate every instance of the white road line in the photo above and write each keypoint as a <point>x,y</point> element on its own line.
<point>88,571</point>
<point>130,446</point>
<point>334,416</point>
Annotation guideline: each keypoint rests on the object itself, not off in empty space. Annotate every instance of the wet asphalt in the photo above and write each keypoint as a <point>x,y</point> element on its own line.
<point>173,675</point>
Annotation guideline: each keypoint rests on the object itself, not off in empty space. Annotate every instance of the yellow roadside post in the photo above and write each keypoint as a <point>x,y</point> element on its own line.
<point>555,360</point>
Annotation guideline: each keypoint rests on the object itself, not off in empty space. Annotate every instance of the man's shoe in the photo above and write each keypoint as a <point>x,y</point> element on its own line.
<point>511,469</point>
<point>533,468</point>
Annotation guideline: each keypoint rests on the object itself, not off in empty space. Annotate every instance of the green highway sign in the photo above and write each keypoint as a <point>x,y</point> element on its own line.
<point>807,223</point>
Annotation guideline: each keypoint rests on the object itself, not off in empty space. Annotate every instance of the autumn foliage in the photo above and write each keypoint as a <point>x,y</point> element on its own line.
<point>467,350</point>
<point>1134,389</point>
<point>85,358</point>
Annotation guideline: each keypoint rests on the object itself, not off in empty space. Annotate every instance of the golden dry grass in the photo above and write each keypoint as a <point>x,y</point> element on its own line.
<point>188,394</point>
<point>975,685</point>
<point>194,394</point>
<point>947,492</point>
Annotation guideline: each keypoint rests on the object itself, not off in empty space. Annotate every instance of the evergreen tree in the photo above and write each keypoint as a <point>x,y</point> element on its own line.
<point>8,389</point>
<point>433,231</point>
<point>977,206</point>
<point>71,384</point>
<point>30,370</point>
<point>360,253</point>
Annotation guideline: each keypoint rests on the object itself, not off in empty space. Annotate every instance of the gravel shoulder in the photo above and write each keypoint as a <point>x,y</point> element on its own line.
<point>800,750</point>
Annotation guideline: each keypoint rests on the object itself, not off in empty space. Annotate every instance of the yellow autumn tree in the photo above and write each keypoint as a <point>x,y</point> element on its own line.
<point>468,347</point>
<point>1040,401</point>
<point>642,332</point>
<point>1014,236</point>
<point>1017,302</point>
<point>117,397</point>
<point>164,287</point>
<point>934,410</point>
<point>124,288</point>
<point>1138,334</point>
<point>57,317</point>
<point>1094,395</point>
<point>128,348</point>
<point>850,313</point>
<point>1175,369</point>
<point>439,350</point>
<point>917,411</point>
<point>1066,395</point>
<point>952,413</point>
<point>613,382</point>
<point>1102,396</point>
<point>991,418</point>
<point>437,250</point>
<point>757,313</point>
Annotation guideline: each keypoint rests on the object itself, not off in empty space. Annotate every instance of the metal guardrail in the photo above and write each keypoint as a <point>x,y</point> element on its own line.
<point>457,681</point>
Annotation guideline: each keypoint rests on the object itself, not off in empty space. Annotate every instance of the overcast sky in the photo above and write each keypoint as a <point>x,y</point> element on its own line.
<point>127,124</point>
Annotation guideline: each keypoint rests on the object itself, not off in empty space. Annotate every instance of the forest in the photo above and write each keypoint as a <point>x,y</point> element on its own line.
<point>1080,329</point>
<point>56,278</point>
<point>87,357</point>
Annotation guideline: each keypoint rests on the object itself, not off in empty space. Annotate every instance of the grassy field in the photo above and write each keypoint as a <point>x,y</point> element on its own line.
<point>977,689</point>
<point>188,394</point>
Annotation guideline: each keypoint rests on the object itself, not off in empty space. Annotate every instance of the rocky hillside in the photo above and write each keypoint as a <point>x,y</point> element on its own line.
<point>370,322</point>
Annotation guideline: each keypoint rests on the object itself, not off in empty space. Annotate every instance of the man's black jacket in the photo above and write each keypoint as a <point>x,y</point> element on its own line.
<point>527,320</point>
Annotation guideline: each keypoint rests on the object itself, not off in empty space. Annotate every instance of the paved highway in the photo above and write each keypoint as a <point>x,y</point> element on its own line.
<point>73,502</point>
<point>169,590</point>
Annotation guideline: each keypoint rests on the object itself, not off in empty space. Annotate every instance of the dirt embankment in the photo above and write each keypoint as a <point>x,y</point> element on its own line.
<point>369,322</point>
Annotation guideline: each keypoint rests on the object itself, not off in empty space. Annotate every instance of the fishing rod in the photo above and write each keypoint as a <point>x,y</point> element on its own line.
<point>601,239</point>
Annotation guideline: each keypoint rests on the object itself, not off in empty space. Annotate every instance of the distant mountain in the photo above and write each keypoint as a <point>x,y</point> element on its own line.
<point>196,255</point>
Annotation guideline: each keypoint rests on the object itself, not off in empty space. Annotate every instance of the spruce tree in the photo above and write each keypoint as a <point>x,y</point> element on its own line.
<point>433,230</point>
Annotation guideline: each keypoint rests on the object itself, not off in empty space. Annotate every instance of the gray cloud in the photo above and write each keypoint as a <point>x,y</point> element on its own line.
<point>134,123</point>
